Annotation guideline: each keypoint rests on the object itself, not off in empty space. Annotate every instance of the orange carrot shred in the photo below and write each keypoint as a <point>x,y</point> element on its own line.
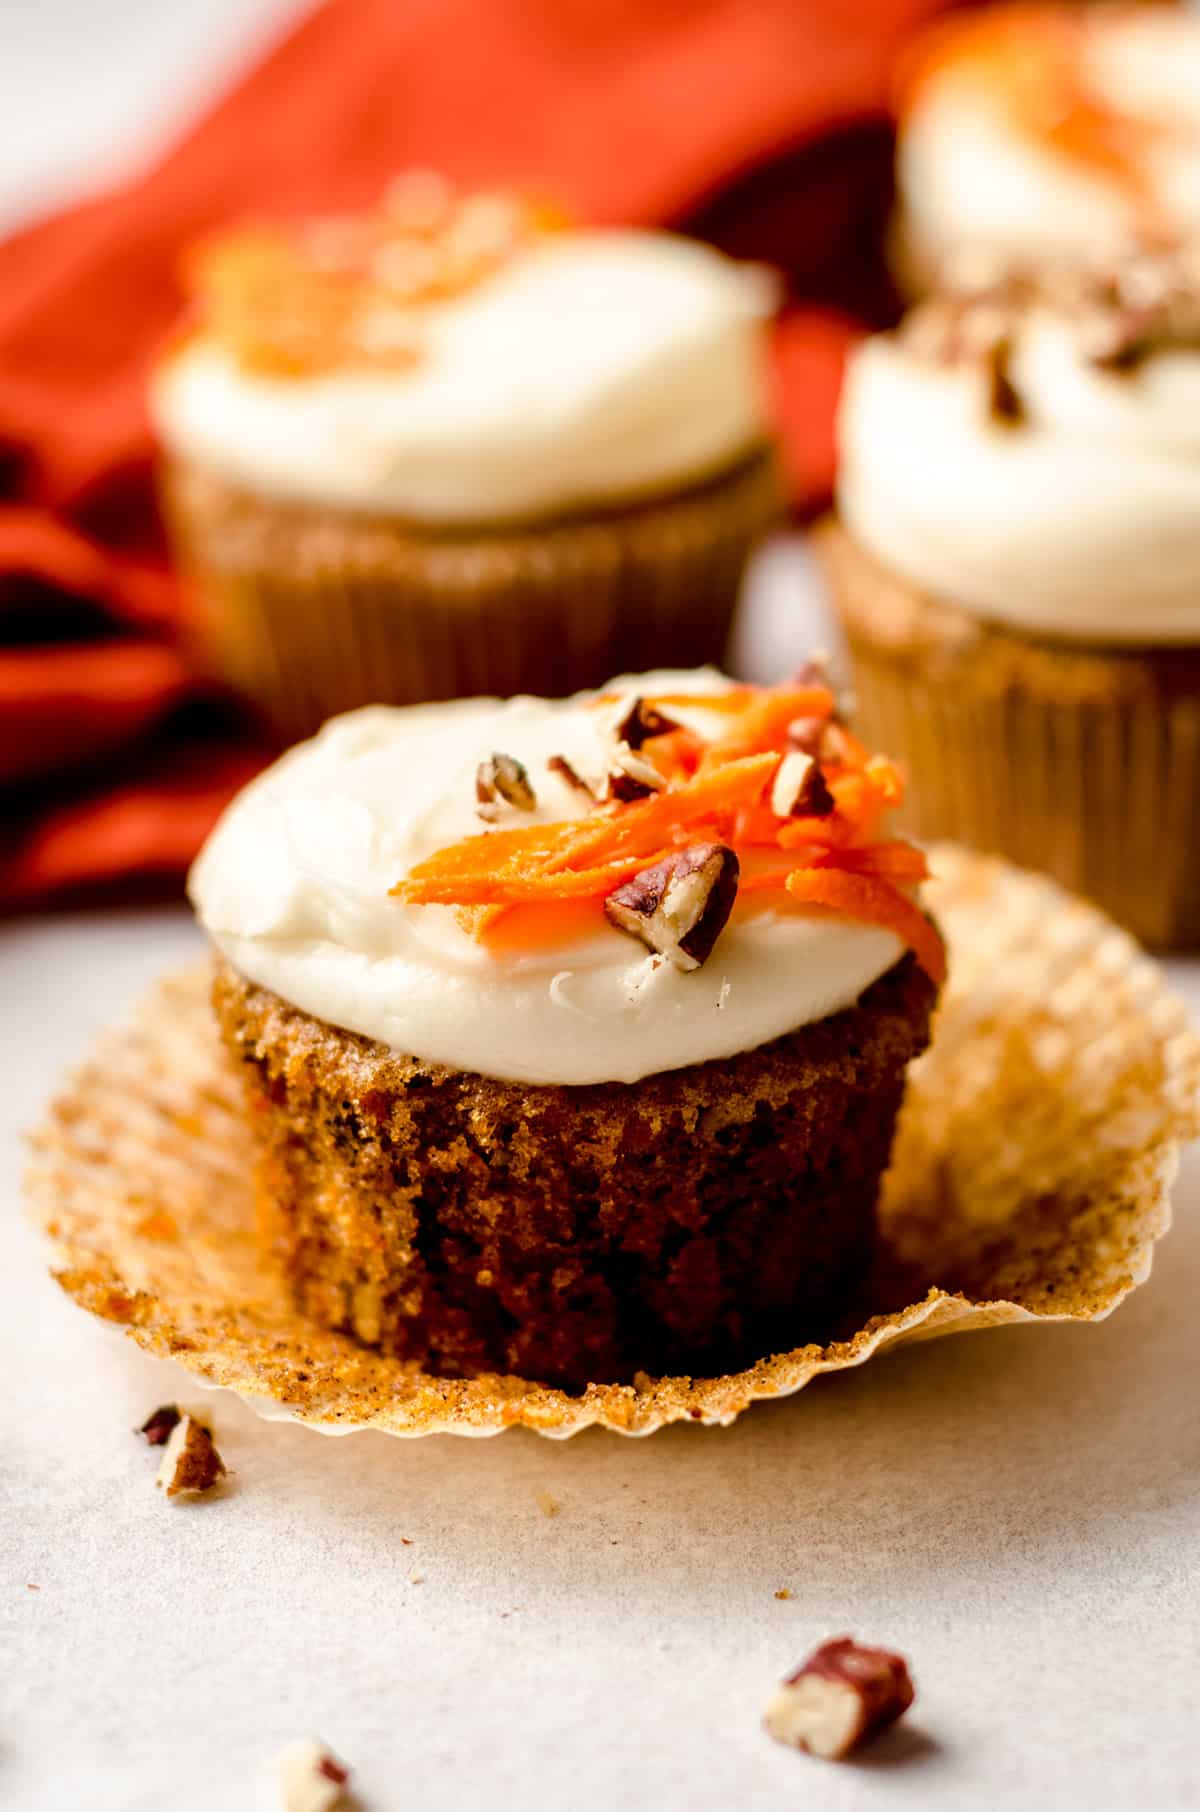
<point>540,883</point>
<point>482,870</point>
<point>764,723</point>
<point>875,902</point>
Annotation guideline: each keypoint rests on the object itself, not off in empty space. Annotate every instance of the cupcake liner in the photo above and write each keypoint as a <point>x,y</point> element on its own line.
<point>307,612</point>
<point>1029,1182</point>
<point>1082,763</point>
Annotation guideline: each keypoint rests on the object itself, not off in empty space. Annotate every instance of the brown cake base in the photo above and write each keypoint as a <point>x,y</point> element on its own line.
<point>575,1235</point>
<point>1081,762</point>
<point>309,611</point>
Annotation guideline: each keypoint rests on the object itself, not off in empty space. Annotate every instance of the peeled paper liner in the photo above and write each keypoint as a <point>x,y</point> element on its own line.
<point>1030,1181</point>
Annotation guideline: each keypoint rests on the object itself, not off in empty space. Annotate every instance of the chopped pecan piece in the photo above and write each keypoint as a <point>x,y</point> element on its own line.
<point>632,776</point>
<point>558,764</point>
<point>799,789</point>
<point>311,1778</point>
<point>190,1462</point>
<point>679,907</point>
<point>1004,399</point>
<point>639,721</point>
<point>843,1694</point>
<point>156,1429</point>
<point>821,737</point>
<point>503,777</point>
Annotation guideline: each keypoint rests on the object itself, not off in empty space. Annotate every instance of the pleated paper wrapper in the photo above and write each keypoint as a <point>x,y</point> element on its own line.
<point>309,613</point>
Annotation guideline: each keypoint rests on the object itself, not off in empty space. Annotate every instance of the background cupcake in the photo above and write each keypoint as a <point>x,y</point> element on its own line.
<point>1048,131</point>
<point>1017,568</point>
<point>445,448</point>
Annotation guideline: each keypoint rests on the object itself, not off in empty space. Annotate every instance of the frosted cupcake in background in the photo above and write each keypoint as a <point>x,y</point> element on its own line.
<point>1016,564</point>
<point>1043,131</point>
<point>450,447</point>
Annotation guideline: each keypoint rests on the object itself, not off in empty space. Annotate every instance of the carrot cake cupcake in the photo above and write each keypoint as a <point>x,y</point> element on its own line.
<point>453,447</point>
<point>1017,568</point>
<point>574,1033</point>
<point>1049,131</point>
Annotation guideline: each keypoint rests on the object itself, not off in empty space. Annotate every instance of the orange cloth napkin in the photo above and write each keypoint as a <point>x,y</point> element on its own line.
<point>758,123</point>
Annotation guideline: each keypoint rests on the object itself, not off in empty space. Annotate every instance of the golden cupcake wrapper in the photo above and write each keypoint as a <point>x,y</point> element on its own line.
<point>308,613</point>
<point>1082,763</point>
<point>1030,1181</point>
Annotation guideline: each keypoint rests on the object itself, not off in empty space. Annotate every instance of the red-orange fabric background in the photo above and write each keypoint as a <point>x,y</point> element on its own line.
<point>758,123</point>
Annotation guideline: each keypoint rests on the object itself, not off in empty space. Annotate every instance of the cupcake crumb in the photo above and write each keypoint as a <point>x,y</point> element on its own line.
<point>784,1592</point>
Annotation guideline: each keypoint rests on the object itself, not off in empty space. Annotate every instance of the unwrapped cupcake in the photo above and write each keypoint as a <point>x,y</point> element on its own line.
<point>451,447</point>
<point>1017,568</point>
<point>1048,131</point>
<point>574,1034</point>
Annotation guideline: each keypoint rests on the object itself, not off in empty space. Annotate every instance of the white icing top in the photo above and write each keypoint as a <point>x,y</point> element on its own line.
<point>592,367</point>
<point>968,174</point>
<point>293,886</point>
<point>1081,521</point>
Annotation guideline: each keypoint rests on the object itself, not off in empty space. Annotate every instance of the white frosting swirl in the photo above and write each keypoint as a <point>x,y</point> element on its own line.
<point>293,886</point>
<point>1082,521</point>
<point>969,175</point>
<point>593,367</point>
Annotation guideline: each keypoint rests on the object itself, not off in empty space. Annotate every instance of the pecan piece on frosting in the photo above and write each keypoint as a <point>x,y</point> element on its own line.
<point>311,1778</point>
<point>639,721</point>
<point>821,737</point>
<point>558,764</point>
<point>843,1694</point>
<point>631,776</point>
<point>1004,399</point>
<point>503,778</point>
<point>798,789</point>
<point>679,907</point>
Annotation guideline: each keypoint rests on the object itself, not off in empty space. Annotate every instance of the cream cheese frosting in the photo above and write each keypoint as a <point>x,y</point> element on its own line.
<point>969,172</point>
<point>1080,520</point>
<point>591,367</point>
<point>293,888</point>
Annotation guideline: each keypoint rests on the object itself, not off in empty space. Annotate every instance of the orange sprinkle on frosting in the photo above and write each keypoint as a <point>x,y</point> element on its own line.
<point>346,292</point>
<point>1032,62</point>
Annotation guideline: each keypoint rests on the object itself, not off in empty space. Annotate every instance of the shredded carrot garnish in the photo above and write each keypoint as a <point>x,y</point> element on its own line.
<point>480,869</point>
<point>874,902</point>
<point>896,862</point>
<point>532,884</point>
<point>764,722</point>
<point>536,885</point>
<point>676,754</point>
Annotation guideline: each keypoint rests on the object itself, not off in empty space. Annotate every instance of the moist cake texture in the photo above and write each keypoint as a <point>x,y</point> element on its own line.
<point>688,1222</point>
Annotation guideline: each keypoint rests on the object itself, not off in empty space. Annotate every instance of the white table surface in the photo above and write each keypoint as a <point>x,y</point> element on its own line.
<point>1017,1511</point>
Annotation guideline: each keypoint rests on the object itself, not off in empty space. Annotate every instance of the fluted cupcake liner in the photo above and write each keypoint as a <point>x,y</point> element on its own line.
<point>1030,1181</point>
<point>308,612</point>
<point>1083,763</point>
